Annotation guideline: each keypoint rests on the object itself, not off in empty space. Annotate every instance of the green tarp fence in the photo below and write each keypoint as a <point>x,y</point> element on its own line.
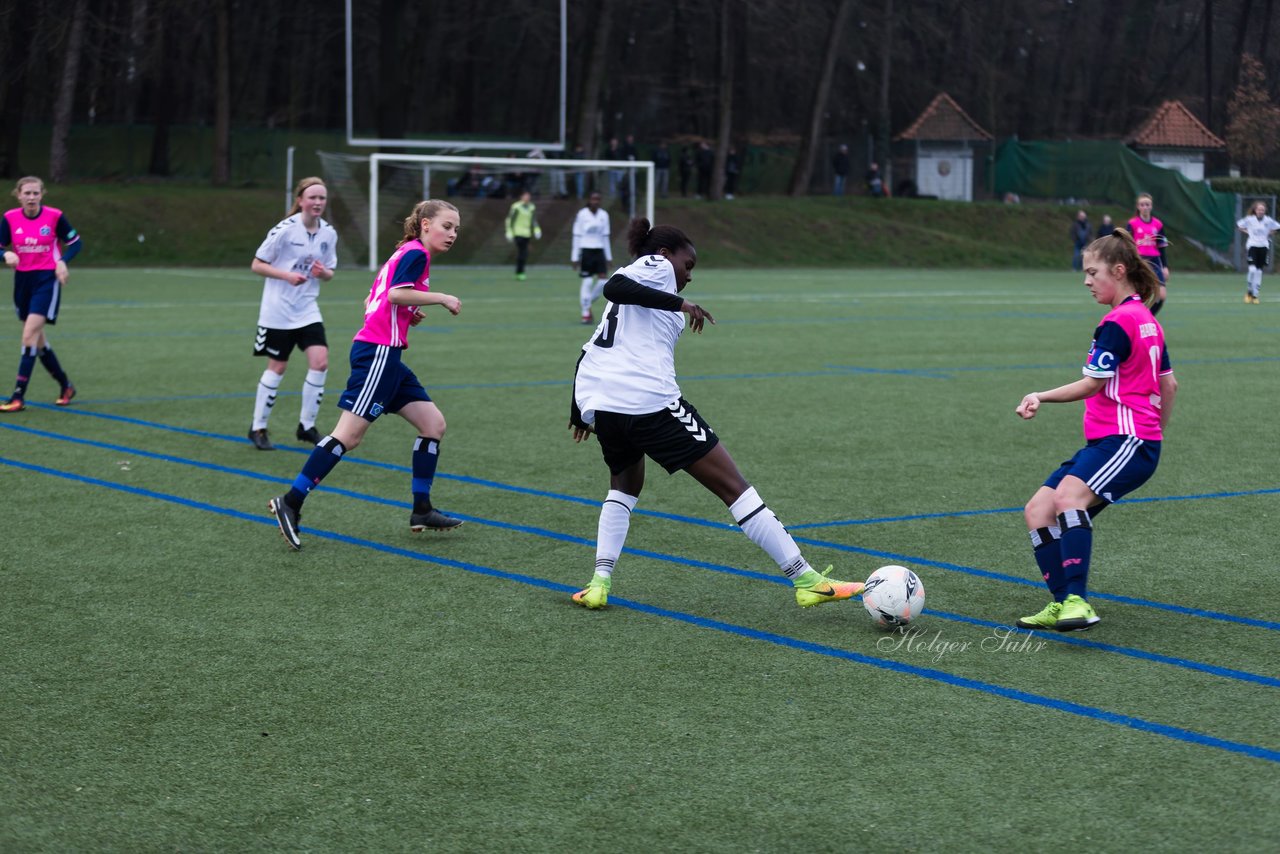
<point>1111,172</point>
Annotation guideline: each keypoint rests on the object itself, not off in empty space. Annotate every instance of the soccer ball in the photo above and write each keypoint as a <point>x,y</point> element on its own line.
<point>893,596</point>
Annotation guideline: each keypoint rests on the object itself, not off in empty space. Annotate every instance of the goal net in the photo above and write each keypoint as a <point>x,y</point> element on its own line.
<point>370,196</point>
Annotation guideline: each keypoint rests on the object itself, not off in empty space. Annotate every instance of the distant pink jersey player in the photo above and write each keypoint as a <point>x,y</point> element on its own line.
<point>35,241</point>
<point>1145,234</point>
<point>1129,353</point>
<point>387,323</point>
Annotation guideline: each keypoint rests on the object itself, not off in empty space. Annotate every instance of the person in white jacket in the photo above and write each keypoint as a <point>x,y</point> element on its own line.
<point>591,254</point>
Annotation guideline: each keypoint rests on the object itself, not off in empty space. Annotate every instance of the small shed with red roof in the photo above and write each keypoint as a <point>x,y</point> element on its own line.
<point>1174,138</point>
<point>944,136</point>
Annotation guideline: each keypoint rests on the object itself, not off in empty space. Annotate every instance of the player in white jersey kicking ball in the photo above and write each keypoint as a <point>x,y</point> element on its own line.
<point>625,392</point>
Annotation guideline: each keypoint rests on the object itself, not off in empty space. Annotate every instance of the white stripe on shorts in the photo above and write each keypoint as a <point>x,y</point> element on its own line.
<point>378,365</point>
<point>1103,477</point>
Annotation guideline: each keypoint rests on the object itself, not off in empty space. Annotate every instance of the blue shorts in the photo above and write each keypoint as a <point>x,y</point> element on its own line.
<point>1153,261</point>
<point>37,292</point>
<point>1112,466</point>
<point>379,382</point>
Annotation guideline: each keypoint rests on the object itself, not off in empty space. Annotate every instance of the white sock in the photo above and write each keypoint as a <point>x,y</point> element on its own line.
<point>763,528</point>
<point>268,385</point>
<point>611,533</point>
<point>584,293</point>
<point>597,288</point>
<point>312,394</point>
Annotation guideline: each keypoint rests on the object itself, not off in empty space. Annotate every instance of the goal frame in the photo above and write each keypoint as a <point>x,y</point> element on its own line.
<point>375,160</point>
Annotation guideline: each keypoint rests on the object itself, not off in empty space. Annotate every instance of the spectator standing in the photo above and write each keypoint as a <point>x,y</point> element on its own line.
<point>732,170</point>
<point>579,176</point>
<point>662,169</point>
<point>705,162</point>
<point>875,183</point>
<point>614,152</point>
<point>1081,235</point>
<point>1107,226</point>
<point>839,170</point>
<point>686,170</point>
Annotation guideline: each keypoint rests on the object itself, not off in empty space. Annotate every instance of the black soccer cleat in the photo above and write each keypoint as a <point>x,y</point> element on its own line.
<point>261,440</point>
<point>287,518</point>
<point>310,435</point>
<point>432,520</point>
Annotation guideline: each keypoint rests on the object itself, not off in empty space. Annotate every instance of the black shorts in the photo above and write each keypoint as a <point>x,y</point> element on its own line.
<point>1258,257</point>
<point>592,263</point>
<point>674,438</point>
<point>279,343</point>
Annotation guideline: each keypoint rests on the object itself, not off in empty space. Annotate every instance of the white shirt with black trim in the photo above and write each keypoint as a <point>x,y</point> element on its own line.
<point>590,231</point>
<point>629,364</point>
<point>1259,230</point>
<point>289,246</point>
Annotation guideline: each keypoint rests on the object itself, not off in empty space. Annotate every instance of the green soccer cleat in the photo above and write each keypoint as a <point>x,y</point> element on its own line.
<point>814,589</point>
<point>1077,615</point>
<point>595,594</point>
<point>1046,619</point>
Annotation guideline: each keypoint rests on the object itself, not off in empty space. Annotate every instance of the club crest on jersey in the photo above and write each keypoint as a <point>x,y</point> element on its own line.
<point>45,231</point>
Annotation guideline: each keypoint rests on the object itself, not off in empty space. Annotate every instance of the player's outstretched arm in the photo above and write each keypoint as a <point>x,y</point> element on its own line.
<point>1078,390</point>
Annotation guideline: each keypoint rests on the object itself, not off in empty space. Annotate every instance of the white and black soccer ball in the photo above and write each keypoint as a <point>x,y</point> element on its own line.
<point>893,596</point>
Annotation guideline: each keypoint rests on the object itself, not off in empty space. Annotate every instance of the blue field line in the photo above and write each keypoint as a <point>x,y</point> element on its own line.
<point>1066,706</point>
<point>915,517</point>
<point>1073,640</point>
<point>724,526</point>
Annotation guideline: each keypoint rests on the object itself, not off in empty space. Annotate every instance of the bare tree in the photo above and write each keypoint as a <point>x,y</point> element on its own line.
<point>885,121</point>
<point>1253,123</point>
<point>802,175</point>
<point>593,83</point>
<point>59,165</point>
<point>724,118</point>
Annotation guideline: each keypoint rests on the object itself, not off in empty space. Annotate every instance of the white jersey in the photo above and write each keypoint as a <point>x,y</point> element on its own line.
<point>1259,230</point>
<point>629,364</point>
<point>590,231</point>
<point>289,246</point>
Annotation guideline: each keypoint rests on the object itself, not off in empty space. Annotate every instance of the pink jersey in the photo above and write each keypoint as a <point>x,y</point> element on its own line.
<point>1145,231</point>
<point>1129,353</point>
<point>385,322</point>
<point>34,240</point>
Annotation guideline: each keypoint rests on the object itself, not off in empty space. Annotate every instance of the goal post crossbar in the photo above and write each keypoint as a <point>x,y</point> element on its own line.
<point>526,163</point>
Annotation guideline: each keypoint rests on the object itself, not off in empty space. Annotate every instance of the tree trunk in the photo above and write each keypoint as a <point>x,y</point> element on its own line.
<point>1208,64</point>
<point>724,121</point>
<point>13,89</point>
<point>593,84</point>
<point>802,175</point>
<point>885,130</point>
<point>222,94</point>
<point>135,61</point>
<point>59,165</point>
<point>162,68</point>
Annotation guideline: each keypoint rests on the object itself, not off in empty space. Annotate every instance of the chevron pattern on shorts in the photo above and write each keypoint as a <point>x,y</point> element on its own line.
<point>686,418</point>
